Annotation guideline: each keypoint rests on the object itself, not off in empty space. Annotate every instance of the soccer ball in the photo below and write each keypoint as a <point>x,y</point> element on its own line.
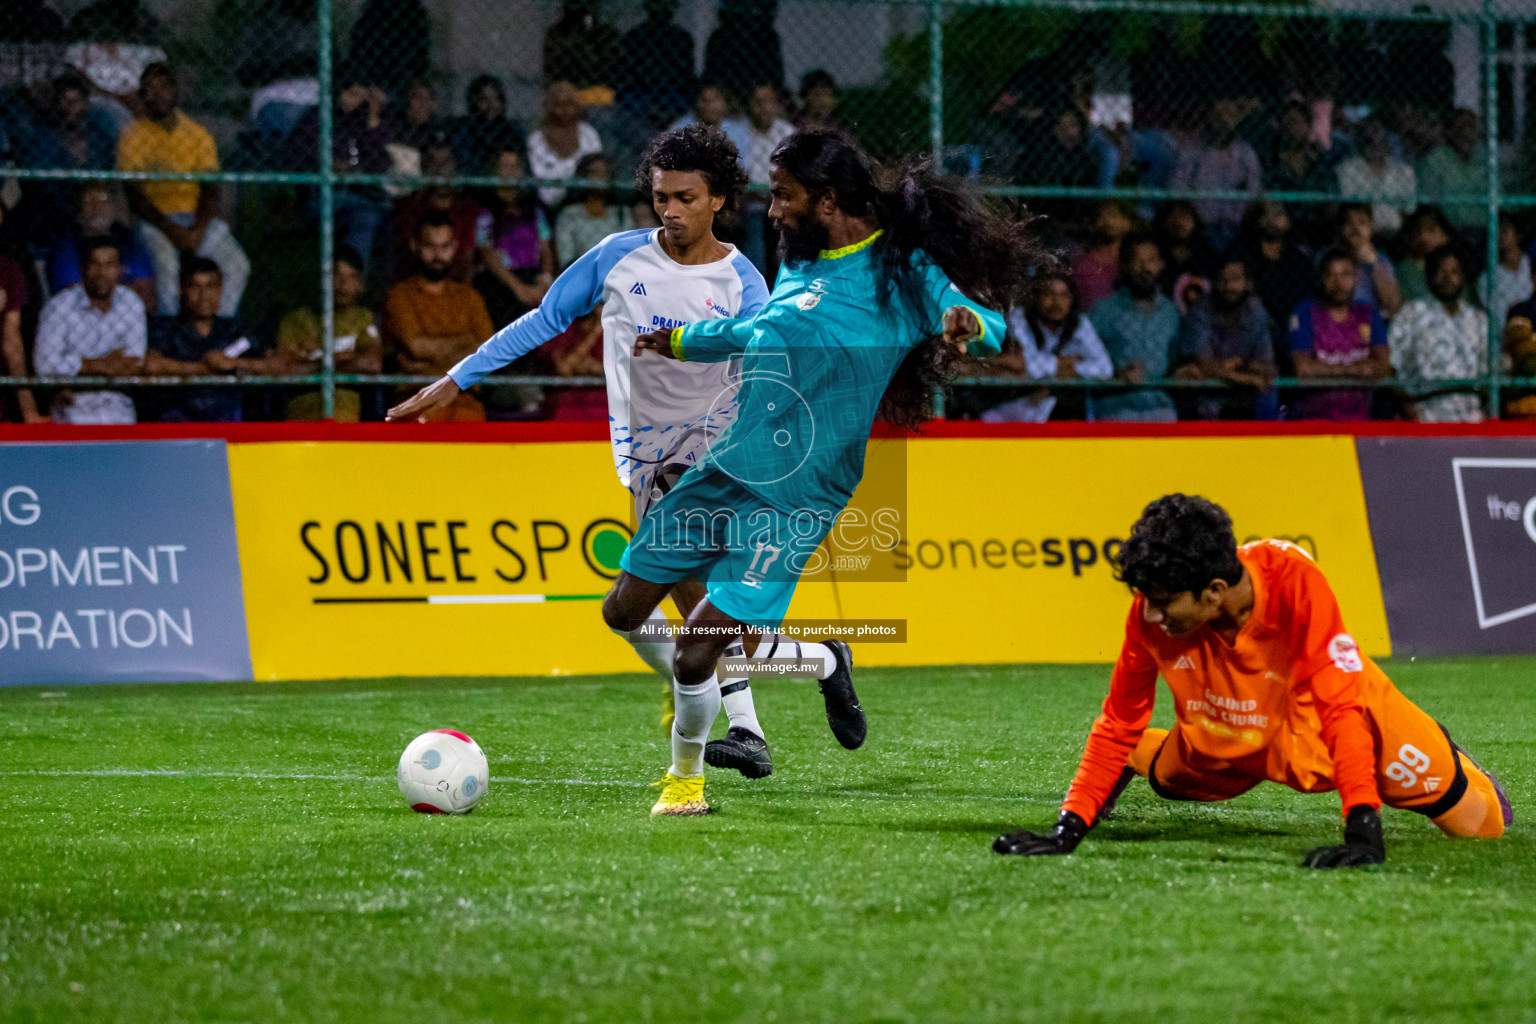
<point>443,772</point>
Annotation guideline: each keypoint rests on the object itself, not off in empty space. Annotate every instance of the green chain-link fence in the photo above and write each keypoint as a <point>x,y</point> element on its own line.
<point>263,167</point>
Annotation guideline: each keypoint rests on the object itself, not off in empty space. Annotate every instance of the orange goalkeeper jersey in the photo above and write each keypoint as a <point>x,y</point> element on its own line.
<point>1284,694</point>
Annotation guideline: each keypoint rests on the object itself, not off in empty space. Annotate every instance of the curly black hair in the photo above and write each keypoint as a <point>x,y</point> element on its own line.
<point>696,148</point>
<point>1181,543</point>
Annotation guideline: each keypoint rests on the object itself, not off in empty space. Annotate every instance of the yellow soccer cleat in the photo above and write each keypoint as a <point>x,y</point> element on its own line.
<point>681,797</point>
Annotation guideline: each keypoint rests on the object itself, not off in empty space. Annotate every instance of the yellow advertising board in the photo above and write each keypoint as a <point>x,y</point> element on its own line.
<point>491,559</point>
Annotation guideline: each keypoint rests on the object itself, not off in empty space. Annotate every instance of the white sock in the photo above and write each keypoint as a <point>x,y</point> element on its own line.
<point>736,695</point>
<point>656,653</point>
<point>697,707</point>
<point>773,645</point>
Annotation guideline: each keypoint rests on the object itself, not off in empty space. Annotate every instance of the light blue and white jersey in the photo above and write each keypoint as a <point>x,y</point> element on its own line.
<point>659,411</point>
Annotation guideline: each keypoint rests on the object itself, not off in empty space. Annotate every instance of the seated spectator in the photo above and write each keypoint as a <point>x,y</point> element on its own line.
<point>710,107</point>
<point>96,328</point>
<point>1229,338</point>
<point>656,91</point>
<point>1139,326</point>
<point>1186,251</point>
<point>1376,174</point>
<point>1511,274</point>
<point>359,145</point>
<point>1333,335</point>
<point>69,136</point>
<point>592,218</point>
<point>1520,351</point>
<point>1441,338</point>
<point>198,341</point>
<point>818,102</point>
<point>300,343</point>
<point>764,129</point>
<point>177,216</point>
<point>1219,162</point>
<point>13,354</point>
<point>744,47</point>
<point>1298,163</point>
<point>462,212</point>
<point>98,219</point>
<point>414,123</point>
<point>1425,230</point>
<point>485,130</point>
<point>1459,167</point>
<point>1375,280</point>
<point>1280,271</point>
<point>1061,155</point>
<point>512,246</point>
<point>581,48</point>
<point>558,146</point>
<point>1049,338</point>
<point>431,321</point>
<point>1095,271</point>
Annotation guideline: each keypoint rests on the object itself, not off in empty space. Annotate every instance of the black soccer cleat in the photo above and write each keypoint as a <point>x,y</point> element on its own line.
<point>843,712</point>
<point>743,750</point>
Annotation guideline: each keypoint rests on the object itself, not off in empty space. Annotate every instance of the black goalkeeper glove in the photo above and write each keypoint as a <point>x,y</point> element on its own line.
<point>1061,839</point>
<point>1362,843</point>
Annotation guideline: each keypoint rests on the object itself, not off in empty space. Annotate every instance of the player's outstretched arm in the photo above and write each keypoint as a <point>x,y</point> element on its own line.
<point>434,396</point>
<point>1363,844</point>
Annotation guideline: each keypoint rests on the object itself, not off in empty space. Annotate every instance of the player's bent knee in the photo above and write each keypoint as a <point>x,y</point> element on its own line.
<point>621,611</point>
<point>694,662</point>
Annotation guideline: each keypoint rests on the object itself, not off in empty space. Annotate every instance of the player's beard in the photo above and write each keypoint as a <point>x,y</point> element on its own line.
<point>802,245</point>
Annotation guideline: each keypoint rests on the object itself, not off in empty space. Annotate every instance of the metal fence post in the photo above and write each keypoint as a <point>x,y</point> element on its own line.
<point>1491,136</point>
<point>936,82</point>
<point>327,214</point>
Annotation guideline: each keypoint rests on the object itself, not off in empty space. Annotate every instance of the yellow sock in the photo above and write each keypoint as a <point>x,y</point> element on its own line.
<point>1477,812</point>
<point>1141,758</point>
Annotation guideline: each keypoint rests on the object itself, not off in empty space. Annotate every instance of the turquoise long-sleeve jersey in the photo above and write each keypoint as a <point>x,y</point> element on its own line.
<point>815,362</point>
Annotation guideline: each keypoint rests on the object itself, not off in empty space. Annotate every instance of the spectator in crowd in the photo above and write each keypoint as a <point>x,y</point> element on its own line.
<point>394,39</point>
<point>463,212</point>
<point>415,123</point>
<point>577,352</point>
<point>764,129</point>
<point>1049,338</point>
<point>710,107</point>
<point>177,216</point>
<point>1520,351</point>
<point>1458,168</point>
<point>1441,338</point>
<point>1229,337</point>
<point>69,136</point>
<point>583,49</point>
<point>1425,230</point>
<point>1298,163</point>
<point>1095,271</point>
<point>96,328</point>
<point>594,215</point>
<point>485,130</point>
<point>1280,271</point>
<point>431,321</point>
<point>1219,162</point>
<point>512,244</point>
<point>1418,129</point>
<point>744,48</point>
<point>97,218</point>
<point>199,341</point>
<point>1139,325</point>
<point>557,147</point>
<point>358,349</point>
<point>1375,279</point>
<point>818,102</point>
<point>275,59</point>
<point>13,354</point>
<point>1375,173</point>
<point>653,90</point>
<point>1186,251</point>
<point>1333,335</point>
<point>1061,155</point>
<point>1511,274</point>
<point>359,145</point>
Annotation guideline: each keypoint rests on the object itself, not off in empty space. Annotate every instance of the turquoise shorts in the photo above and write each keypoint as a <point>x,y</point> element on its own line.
<point>710,527</point>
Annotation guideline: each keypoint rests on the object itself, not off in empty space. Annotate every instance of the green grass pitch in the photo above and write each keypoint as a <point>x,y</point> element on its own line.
<point>241,853</point>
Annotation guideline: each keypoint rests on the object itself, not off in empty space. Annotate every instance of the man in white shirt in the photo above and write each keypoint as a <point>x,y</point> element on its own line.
<point>95,328</point>
<point>763,129</point>
<point>1441,338</point>
<point>1374,174</point>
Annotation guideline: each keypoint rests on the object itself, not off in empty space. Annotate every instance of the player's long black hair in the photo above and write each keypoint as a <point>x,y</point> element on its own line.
<point>986,249</point>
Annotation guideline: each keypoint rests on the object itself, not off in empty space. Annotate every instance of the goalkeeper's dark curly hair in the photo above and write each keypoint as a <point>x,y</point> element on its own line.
<point>1181,542</point>
<point>696,148</point>
<point>984,247</point>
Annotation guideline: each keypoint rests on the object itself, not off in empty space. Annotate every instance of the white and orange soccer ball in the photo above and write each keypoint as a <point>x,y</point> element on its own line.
<point>443,772</point>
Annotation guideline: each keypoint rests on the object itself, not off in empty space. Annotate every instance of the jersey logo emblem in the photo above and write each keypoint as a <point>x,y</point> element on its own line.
<point>1345,653</point>
<point>638,289</point>
<point>1184,662</point>
<point>812,298</point>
